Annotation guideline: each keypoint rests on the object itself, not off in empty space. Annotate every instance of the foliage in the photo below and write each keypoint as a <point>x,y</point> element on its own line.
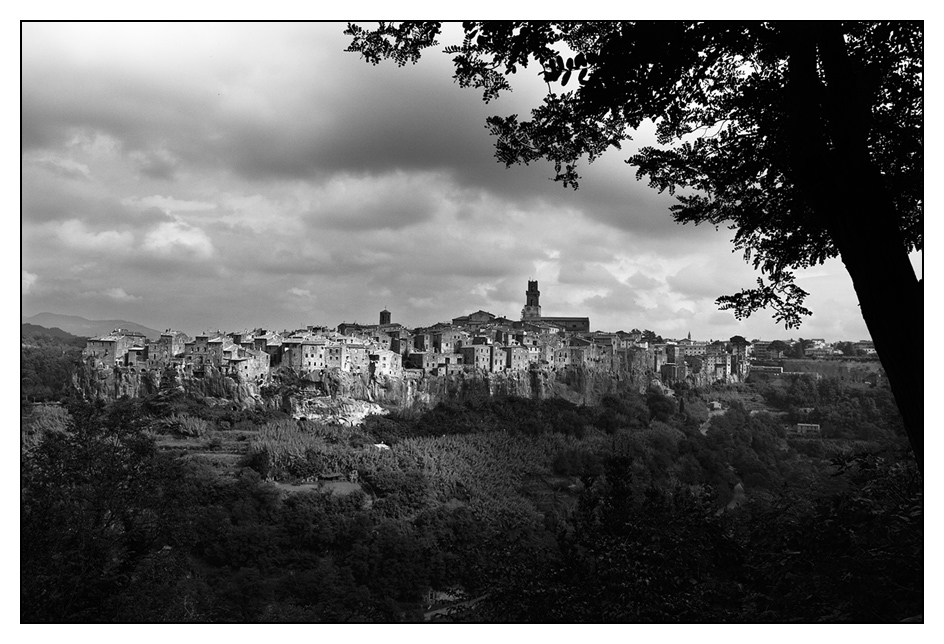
<point>185,425</point>
<point>46,372</point>
<point>854,556</point>
<point>93,508</point>
<point>667,556</point>
<point>756,122</point>
<point>170,402</point>
<point>308,450</point>
<point>651,337</point>
<point>848,349</point>
<point>41,420</point>
<point>843,412</point>
<point>622,524</point>
<point>661,407</point>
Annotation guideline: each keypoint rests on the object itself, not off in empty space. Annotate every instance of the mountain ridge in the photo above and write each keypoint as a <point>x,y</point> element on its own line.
<point>29,330</point>
<point>84,327</point>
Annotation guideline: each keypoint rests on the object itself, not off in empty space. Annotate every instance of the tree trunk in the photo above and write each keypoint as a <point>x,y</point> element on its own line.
<point>832,167</point>
<point>892,306</point>
<point>872,246</point>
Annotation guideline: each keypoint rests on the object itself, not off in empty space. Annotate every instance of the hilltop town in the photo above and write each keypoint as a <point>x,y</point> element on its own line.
<point>477,342</point>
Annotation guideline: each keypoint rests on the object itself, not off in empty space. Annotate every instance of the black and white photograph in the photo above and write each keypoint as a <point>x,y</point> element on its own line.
<point>472,322</point>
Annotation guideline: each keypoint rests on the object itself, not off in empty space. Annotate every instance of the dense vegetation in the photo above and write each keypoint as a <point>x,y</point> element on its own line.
<point>47,359</point>
<point>539,510</point>
<point>842,412</point>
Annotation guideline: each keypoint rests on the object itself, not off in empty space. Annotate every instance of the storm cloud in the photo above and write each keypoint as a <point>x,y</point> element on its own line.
<point>202,176</point>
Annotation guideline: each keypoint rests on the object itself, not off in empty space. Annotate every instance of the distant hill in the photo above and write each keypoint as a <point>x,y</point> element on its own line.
<point>38,337</point>
<point>84,328</point>
<point>28,330</point>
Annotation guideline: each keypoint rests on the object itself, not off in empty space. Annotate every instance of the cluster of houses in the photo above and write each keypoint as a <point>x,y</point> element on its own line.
<point>476,342</point>
<point>479,341</point>
<point>816,348</point>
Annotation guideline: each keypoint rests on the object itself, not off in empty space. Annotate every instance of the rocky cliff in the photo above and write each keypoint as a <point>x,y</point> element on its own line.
<point>113,383</point>
<point>346,398</point>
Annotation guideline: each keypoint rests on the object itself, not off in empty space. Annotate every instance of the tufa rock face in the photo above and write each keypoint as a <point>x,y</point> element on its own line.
<point>346,398</point>
<point>337,411</point>
<point>113,383</point>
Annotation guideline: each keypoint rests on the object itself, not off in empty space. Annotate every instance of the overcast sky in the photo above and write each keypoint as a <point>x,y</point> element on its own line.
<point>224,176</point>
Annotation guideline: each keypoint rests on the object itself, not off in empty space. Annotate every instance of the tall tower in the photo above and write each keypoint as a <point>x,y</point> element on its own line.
<point>385,317</point>
<point>532,308</point>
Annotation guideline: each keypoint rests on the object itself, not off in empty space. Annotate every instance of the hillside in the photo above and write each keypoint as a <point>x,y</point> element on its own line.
<point>489,510</point>
<point>47,363</point>
<point>32,331</point>
<point>85,328</point>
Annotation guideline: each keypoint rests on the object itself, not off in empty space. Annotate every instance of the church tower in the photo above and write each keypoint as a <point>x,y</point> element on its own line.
<point>532,307</point>
<point>385,317</point>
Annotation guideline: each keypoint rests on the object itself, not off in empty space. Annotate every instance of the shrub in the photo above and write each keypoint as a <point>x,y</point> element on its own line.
<point>187,425</point>
<point>577,462</point>
<point>44,419</point>
<point>259,461</point>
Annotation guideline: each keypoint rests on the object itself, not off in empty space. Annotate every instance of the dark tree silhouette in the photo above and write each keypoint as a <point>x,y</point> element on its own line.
<point>805,138</point>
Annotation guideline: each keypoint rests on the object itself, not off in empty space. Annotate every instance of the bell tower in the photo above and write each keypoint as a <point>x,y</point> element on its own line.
<point>532,306</point>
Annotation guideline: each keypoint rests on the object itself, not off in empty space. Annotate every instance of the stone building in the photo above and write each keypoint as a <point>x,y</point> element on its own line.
<point>532,305</point>
<point>170,345</point>
<point>516,358</point>
<point>335,356</point>
<point>477,356</point>
<point>136,358</point>
<point>497,358</point>
<point>102,351</point>
<point>304,355</point>
<point>250,365</point>
<point>356,359</point>
<point>384,362</point>
<point>110,350</point>
<point>474,320</point>
<point>448,341</point>
<point>672,372</point>
<point>425,360</point>
<point>532,313</point>
<point>717,365</point>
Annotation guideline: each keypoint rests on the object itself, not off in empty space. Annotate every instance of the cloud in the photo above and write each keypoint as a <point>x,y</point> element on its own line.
<point>261,213</point>
<point>156,164</point>
<point>302,293</point>
<point>168,204</point>
<point>64,167</point>
<point>710,279</point>
<point>388,201</point>
<point>308,175</point>
<point>642,282</point>
<point>116,294</point>
<point>74,233</point>
<point>175,237</point>
<point>120,295</point>
<point>28,280</point>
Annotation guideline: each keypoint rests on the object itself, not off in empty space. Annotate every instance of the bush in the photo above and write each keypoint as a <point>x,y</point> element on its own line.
<point>259,461</point>
<point>661,408</point>
<point>44,419</point>
<point>187,425</point>
<point>577,462</point>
